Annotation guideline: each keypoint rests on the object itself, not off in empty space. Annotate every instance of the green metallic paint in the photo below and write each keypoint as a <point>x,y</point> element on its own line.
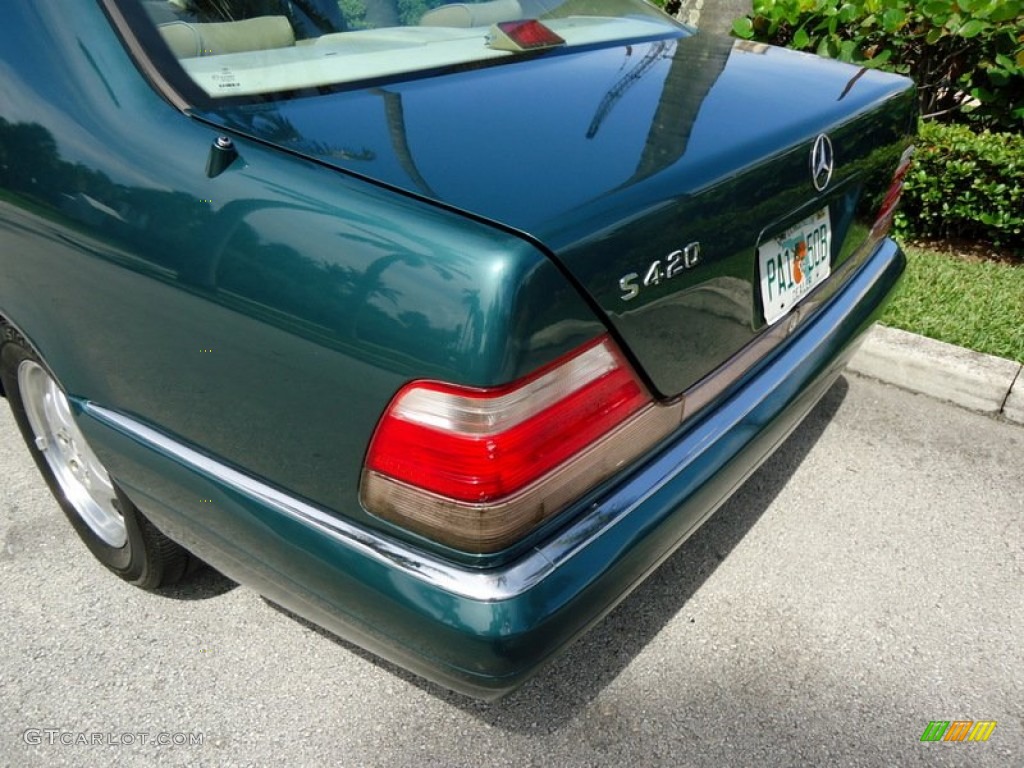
<point>616,157</point>
<point>267,314</point>
<point>486,646</point>
<point>265,317</point>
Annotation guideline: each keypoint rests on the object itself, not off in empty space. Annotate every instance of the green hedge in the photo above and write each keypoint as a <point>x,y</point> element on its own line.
<point>966,184</point>
<point>966,56</point>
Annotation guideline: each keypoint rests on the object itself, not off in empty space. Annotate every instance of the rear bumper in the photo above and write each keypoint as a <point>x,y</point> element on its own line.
<point>483,632</point>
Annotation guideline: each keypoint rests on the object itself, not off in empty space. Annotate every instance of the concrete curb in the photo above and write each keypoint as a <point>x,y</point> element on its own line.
<point>969,379</point>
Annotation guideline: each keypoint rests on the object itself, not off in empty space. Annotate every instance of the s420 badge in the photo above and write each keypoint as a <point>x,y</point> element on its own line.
<point>659,271</point>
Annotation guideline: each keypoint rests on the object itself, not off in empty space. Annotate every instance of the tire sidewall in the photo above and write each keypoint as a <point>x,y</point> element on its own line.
<point>127,561</point>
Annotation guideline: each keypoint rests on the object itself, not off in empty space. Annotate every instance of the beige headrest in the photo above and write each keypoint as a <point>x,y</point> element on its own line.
<point>472,14</point>
<point>189,40</point>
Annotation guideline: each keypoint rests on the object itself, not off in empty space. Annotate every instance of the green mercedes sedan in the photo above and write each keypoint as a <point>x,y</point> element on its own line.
<point>439,324</point>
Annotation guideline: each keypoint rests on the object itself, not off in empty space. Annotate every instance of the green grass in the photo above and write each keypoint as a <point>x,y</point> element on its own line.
<point>970,302</point>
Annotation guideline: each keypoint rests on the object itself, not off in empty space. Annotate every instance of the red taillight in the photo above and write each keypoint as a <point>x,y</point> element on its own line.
<point>529,34</point>
<point>477,469</point>
<point>522,35</point>
<point>480,445</point>
<point>887,210</point>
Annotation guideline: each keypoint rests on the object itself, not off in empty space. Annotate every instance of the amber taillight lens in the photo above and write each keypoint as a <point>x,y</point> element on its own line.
<point>480,445</point>
<point>477,468</point>
<point>887,210</point>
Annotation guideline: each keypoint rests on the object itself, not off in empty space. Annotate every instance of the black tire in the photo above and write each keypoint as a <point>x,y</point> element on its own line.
<point>137,552</point>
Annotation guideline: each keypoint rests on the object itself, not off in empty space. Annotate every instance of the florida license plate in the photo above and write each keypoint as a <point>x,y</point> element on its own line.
<point>794,263</point>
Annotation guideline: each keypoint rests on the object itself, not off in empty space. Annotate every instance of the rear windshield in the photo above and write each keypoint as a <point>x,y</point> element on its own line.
<point>247,47</point>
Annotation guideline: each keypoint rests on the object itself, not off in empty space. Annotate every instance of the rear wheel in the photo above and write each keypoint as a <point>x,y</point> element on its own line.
<point>113,528</point>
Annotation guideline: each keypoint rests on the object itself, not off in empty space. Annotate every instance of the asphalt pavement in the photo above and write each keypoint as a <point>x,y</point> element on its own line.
<point>866,581</point>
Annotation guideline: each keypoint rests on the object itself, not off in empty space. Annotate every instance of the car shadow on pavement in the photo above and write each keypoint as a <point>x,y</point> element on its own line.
<point>201,583</point>
<point>577,676</point>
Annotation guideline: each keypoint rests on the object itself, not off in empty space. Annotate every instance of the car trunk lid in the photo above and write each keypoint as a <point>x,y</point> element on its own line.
<point>653,172</point>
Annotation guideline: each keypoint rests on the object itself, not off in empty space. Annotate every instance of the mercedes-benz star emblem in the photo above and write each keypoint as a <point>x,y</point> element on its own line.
<point>822,162</point>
